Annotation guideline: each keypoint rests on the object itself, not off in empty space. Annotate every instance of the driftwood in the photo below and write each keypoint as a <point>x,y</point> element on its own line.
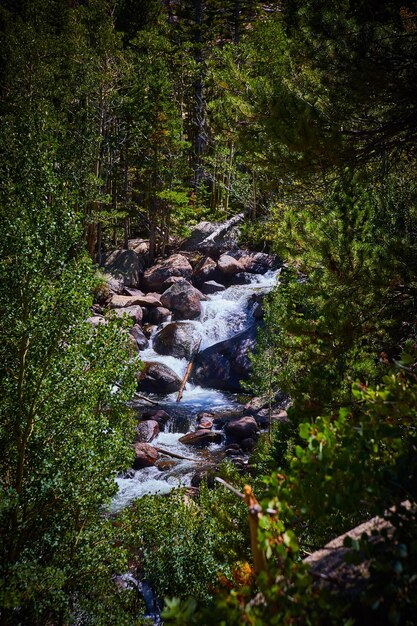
<point>188,370</point>
<point>175,455</point>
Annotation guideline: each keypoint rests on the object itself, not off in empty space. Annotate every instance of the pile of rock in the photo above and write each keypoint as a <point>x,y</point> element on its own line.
<point>171,290</point>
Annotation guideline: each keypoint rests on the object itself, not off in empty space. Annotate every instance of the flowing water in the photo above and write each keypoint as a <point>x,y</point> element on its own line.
<point>223,315</point>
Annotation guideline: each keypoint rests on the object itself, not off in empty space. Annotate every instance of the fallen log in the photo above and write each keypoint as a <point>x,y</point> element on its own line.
<point>175,455</point>
<point>188,370</point>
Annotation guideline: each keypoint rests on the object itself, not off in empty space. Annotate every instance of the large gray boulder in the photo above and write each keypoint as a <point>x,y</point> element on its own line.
<point>205,270</point>
<point>225,364</point>
<point>177,339</point>
<point>201,438</point>
<point>183,300</point>
<point>241,429</point>
<point>256,262</point>
<point>175,265</point>
<point>228,266</point>
<point>215,238</point>
<point>126,266</point>
<point>158,378</point>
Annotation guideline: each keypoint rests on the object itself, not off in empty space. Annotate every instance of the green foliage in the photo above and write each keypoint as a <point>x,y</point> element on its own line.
<point>189,546</point>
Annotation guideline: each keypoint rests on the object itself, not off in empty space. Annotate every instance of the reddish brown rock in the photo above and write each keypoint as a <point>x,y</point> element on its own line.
<point>146,455</point>
<point>147,431</point>
<point>201,438</point>
<point>175,265</point>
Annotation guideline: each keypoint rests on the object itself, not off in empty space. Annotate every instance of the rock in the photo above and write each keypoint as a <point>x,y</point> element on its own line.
<point>140,246</point>
<point>202,475</point>
<point>198,233</point>
<point>147,431</point>
<point>157,415</point>
<point>165,464</point>
<point>139,337</point>
<point>132,291</point>
<point>205,423</point>
<point>248,444</point>
<point>228,266</point>
<point>158,378</point>
<point>114,285</point>
<point>133,312</point>
<point>158,315</point>
<point>172,280</point>
<point>183,300</point>
<point>212,287</point>
<point>177,339</point>
<point>126,266</point>
<point>241,429</point>
<point>146,455</point>
<point>206,270</point>
<point>277,415</point>
<point>140,300</point>
<point>225,364</point>
<point>201,438</point>
<point>214,238</point>
<point>258,311</point>
<point>96,320</point>
<point>175,265</point>
<point>256,262</point>
<point>242,278</point>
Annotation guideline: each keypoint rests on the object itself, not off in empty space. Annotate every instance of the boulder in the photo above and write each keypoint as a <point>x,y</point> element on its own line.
<point>201,438</point>
<point>177,339</point>
<point>183,300</point>
<point>157,415</point>
<point>198,234</point>
<point>241,429</point>
<point>158,378</point>
<point>133,312</point>
<point>225,364</point>
<point>256,262</point>
<point>214,238</point>
<point>126,266</point>
<point>139,337</point>
<point>158,315</point>
<point>146,455</point>
<point>211,287</point>
<point>147,431</point>
<point>132,291</point>
<point>175,265</point>
<point>205,270</point>
<point>140,246</point>
<point>228,266</point>
<point>118,302</point>
<point>242,278</point>
<point>114,285</point>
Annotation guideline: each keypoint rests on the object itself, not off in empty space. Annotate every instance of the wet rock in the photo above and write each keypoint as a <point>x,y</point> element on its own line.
<point>125,265</point>
<point>225,364</point>
<point>201,438</point>
<point>241,429</point>
<point>147,431</point>
<point>205,423</point>
<point>146,455</point>
<point>258,311</point>
<point>165,464</point>
<point>205,271</point>
<point>158,315</point>
<point>158,378</point>
<point>175,265</point>
<point>212,287</point>
<point>228,266</point>
<point>183,300</point>
<point>158,415</point>
<point>132,312</point>
<point>137,333</point>
<point>177,339</point>
<point>242,278</point>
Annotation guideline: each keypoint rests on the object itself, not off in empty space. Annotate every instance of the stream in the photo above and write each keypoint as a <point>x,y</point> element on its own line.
<point>223,315</point>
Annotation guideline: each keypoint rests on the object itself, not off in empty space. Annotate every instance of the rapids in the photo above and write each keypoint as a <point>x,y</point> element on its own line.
<point>223,315</point>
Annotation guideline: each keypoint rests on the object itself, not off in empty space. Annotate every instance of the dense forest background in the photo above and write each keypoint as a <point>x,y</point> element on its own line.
<point>123,118</point>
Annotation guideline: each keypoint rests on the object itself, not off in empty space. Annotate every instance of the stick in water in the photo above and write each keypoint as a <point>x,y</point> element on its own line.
<point>188,370</point>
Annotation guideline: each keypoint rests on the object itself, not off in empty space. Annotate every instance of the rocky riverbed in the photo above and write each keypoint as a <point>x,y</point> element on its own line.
<point>202,303</point>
